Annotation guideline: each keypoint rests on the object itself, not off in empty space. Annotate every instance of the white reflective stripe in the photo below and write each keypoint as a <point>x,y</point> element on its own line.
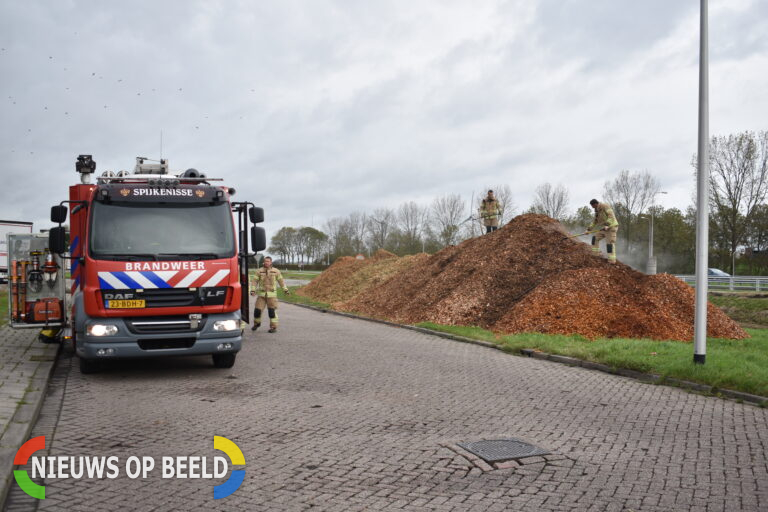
<point>166,275</point>
<point>217,277</point>
<point>191,278</point>
<point>113,281</point>
<point>140,279</point>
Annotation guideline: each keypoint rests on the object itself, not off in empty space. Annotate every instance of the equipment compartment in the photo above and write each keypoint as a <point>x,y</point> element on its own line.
<point>36,283</point>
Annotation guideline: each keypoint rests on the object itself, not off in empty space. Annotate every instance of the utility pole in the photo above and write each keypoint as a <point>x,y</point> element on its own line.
<point>702,199</point>
<point>650,267</point>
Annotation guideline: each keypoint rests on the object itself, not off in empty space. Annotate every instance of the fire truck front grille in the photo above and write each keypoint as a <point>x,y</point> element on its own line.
<point>168,297</point>
<point>162,324</point>
<point>166,343</point>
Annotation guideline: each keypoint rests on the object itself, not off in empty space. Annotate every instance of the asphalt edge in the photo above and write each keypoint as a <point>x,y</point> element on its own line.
<point>652,378</point>
<point>28,414</point>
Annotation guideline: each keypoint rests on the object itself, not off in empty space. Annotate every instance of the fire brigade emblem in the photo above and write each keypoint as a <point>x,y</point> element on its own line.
<point>199,193</point>
<point>125,191</point>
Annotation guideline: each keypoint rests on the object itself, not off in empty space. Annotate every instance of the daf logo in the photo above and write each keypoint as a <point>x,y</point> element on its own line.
<point>119,296</point>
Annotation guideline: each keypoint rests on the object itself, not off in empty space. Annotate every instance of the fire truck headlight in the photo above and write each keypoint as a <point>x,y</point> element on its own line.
<point>225,325</point>
<point>102,330</point>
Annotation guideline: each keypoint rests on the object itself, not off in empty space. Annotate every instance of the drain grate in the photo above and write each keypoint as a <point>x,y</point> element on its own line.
<point>500,450</point>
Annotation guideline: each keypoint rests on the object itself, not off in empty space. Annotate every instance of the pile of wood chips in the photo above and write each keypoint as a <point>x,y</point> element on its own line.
<point>349,276</point>
<point>525,277</point>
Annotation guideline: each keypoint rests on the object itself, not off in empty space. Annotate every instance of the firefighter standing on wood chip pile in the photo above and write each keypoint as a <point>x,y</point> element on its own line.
<point>490,212</point>
<point>267,278</point>
<point>606,222</point>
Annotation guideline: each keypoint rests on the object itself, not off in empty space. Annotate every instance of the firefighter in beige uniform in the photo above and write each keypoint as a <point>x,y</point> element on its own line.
<point>490,212</point>
<point>266,280</point>
<point>608,226</point>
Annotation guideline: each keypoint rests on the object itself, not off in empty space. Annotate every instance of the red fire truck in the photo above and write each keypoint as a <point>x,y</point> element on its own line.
<point>157,265</point>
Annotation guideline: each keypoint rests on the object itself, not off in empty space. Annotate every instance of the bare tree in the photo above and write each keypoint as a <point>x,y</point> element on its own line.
<point>334,228</point>
<point>346,235</point>
<point>380,227</point>
<point>411,219</point>
<point>738,182</point>
<point>447,215</point>
<point>630,193</point>
<point>357,225</point>
<point>551,201</point>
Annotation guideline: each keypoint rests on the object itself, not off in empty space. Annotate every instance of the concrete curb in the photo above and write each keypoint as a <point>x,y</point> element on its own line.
<point>25,417</point>
<point>571,361</point>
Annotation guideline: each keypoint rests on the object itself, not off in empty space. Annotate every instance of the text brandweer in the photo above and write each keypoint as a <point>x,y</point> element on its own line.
<point>165,265</point>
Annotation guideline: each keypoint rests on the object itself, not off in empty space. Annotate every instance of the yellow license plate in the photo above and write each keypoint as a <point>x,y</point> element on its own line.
<point>126,304</point>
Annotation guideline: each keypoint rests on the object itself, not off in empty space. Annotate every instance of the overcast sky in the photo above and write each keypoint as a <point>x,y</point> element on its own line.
<point>314,109</point>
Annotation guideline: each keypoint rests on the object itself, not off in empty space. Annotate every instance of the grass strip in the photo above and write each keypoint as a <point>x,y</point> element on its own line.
<point>300,299</point>
<point>307,275</point>
<point>739,365</point>
<point>3,308</point>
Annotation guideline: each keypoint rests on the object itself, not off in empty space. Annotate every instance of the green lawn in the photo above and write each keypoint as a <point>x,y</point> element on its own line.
<point>304,274</point>
<point>307,275</point>
<point>3,307</point>
<point>300,299</point>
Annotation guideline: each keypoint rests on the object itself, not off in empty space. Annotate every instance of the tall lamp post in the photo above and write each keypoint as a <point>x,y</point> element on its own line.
<point>702,195</point>
<point>650,267</point>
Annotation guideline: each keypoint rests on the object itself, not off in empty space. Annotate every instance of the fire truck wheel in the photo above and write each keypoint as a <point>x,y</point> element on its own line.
<point>224,360</point>
<point>88,365</point>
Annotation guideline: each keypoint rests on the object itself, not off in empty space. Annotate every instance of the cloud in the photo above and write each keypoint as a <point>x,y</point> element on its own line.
<point>314,110</point>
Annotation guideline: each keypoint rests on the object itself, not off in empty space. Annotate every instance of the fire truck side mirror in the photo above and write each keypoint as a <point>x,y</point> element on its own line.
<point>57,241</point>
<point>258,239</point>
<point>256,214</point>
<point>58,214</point>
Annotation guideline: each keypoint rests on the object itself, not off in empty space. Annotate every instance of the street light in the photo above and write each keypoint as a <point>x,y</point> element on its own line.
<point>702,193</point>
<point>650,267</point>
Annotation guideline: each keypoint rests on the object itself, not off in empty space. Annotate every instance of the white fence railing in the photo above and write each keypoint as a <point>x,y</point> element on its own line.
<point>733,284</point>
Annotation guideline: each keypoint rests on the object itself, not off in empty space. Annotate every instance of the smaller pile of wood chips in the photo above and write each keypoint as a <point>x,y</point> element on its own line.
<point>325,287</point>
<point>524,277</point>
<point>348,276</point>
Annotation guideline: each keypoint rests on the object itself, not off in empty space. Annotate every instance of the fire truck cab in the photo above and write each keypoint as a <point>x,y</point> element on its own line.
<point>158,266</point>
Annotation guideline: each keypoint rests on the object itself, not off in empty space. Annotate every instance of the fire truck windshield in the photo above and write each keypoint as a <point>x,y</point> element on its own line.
<point>178,231</point>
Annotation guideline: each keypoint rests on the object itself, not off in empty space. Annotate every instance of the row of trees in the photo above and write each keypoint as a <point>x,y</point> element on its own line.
<point>294,245</point>
<point>738,217</point>
<point>407,229</point>
<point>412,228</point>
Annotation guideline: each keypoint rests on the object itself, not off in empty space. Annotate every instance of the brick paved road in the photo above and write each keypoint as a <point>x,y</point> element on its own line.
<point>25,367</point>
<point>340,414</point>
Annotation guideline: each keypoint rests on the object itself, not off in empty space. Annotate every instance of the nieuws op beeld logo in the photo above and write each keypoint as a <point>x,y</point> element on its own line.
<point>98,468</point>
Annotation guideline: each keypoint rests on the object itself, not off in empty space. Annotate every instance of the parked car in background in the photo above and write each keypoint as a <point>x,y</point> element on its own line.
<point>716,272</point>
